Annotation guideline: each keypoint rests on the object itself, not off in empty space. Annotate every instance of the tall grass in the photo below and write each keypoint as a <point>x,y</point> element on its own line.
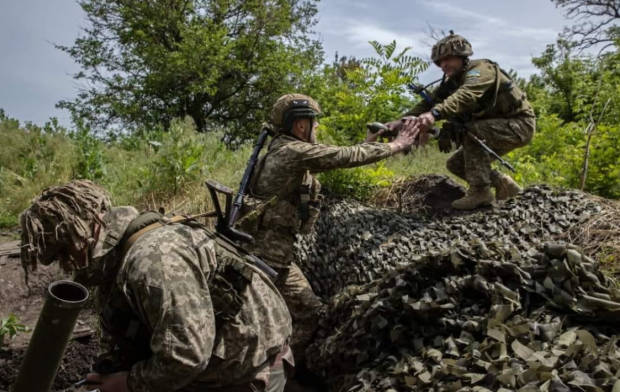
<point>157,170</point>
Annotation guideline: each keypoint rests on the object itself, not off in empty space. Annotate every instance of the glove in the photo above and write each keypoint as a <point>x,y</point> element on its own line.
<point>446,136</point>
<point>444,143</point>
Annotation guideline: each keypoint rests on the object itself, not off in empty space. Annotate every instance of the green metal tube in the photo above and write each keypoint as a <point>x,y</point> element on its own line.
<point>51,335</point>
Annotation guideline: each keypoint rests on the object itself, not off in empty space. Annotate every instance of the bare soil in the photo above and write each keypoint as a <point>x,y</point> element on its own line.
<point>75,364</point>
<point>430,195</point>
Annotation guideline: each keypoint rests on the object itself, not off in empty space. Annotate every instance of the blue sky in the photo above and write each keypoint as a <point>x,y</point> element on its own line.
<point>34,75</point>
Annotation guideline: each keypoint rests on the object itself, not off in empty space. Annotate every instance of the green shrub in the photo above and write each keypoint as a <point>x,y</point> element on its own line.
<point>12,327</point>
<point>357,183</point>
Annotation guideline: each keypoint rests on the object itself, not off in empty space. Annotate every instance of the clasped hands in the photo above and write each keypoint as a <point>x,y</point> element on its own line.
<point>412,131</point>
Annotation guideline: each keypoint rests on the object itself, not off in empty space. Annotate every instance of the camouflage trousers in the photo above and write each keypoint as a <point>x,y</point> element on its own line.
<point>473,164</point>
<point>303,305</point>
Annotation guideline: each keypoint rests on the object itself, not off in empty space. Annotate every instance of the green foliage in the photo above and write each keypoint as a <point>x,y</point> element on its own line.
<point>179,160</point>
<point>373,91</point>
<point>8,221</point>
<point>353,93</point>
<point>221,62</point>
<point>556,157</point>
<point>91,162</point>
<point>31,158</point>
<point>11,326</point>
<point>574,93</point>
<point>357,183</point>
<point>147,170</point>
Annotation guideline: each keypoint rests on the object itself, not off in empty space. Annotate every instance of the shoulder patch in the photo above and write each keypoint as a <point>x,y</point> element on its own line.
<point>473,74</point>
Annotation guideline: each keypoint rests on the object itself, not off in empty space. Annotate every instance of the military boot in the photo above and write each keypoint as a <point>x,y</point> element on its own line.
<point>505,187</point>
<point>475,197</point>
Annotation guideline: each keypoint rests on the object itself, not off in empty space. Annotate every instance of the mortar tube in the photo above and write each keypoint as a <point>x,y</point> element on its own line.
<point>51,336</point>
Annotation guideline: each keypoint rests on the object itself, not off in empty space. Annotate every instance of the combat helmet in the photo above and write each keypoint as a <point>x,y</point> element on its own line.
<point>452,45</point>
<point>60,216</point>
<point>291,106</point>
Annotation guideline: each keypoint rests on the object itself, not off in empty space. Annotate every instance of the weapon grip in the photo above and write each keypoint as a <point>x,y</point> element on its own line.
<point>375,127</point>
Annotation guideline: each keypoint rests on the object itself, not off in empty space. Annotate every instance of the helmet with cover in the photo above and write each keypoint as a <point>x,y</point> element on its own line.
<point>62,218</point>
<point>452,45</point>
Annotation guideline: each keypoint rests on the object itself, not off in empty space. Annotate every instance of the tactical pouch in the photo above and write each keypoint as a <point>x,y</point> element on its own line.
<point>228,285</point>
<point>314,211</point>
<point>226,301</point>
<point>130,336</point>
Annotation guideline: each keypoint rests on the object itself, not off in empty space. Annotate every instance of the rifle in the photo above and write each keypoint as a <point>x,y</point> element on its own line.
<point>423,92</point>
<point>227,218</point>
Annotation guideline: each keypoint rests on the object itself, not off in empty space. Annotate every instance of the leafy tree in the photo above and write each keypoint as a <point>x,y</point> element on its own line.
<point>373,91</point>
<point>353,93</point>
<point>345,64</point>
<point>596,22</point>
<point>567,79</point>
<point>221,62</point>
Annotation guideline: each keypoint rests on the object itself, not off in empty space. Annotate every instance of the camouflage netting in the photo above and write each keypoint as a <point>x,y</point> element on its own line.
<point>486,300</point>
<point>354,244</point>
<point>476,318</point>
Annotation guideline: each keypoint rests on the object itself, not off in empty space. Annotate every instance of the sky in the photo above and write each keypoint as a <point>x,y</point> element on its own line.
<point>34,75</point>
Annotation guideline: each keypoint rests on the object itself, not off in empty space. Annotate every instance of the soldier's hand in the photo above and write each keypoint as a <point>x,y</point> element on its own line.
<point>115,382</point>
<point>395,125</point>
<point>426,121</point>
<point>406,137</point>
<point>373,137</point>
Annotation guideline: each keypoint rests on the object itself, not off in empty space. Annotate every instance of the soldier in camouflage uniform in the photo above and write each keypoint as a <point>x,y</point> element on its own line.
<point>163,325</point>
<point>492,107</point>
<point>284,200</point>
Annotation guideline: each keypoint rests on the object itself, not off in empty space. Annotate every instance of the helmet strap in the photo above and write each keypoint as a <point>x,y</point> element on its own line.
<point>306,133</point>
<point>465,62</point>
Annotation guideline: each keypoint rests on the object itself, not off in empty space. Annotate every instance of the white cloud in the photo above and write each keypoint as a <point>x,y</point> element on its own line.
<point>358,32</point>
<point>458,13</point>
<point>540,34</point>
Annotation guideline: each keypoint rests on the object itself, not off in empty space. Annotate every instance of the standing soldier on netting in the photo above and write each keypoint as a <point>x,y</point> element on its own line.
<point>482,96</point>
<point>179,309</point>
<point>283,199</point>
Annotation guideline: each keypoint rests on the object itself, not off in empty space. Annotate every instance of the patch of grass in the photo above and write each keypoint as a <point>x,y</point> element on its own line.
<point>8,221</point>
<point>418,162</point>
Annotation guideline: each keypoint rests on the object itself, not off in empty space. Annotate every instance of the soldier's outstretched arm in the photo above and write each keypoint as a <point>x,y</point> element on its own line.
<point>320,157</point>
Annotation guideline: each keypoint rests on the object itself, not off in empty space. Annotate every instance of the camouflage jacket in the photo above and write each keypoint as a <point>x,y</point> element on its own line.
<point>280,177</point>
<point>163,282</point>
<point>482,91</point>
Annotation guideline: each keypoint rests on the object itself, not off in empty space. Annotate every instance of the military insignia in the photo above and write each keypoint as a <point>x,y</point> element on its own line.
<point>472,74</point>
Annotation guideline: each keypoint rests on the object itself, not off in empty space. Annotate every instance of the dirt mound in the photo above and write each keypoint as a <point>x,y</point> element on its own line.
<point>75,364</point>
<point>429,194</point>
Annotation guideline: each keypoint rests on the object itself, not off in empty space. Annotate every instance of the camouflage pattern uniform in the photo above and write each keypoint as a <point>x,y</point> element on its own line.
<point>156,308</point>
<point>491,106</point>
<point>284,172</point>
